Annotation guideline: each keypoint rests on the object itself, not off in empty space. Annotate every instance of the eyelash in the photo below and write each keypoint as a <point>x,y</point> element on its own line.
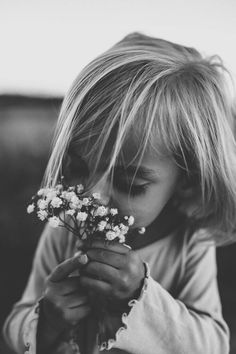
<point>133,190</point>
<point>122,186</point>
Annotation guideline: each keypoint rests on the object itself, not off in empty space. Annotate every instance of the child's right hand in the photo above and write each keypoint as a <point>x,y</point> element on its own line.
<point>65,303</point>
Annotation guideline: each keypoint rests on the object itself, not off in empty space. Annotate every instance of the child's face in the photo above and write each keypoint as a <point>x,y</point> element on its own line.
<point>145,196</point>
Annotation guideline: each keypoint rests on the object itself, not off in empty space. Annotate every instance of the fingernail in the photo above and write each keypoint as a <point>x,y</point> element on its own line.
<point>127,246</point>
<point>78,253</point>
<point>83,259</point>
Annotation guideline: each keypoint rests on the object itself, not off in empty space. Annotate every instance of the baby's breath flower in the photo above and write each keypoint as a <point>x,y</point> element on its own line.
<point>75,202</point>
<point>130,220</point>
<point>41,192</point>
<point>110,235</point>
<point>142,230</point>
<point>101,225</point>
<point>121,238</point>
<point>117,230</point>
<point>42,204</point>
<point>50,194</point>
<point>70,212</point>
<point>101,211</point>
<point>85,201</point>
<point>81,216</point>
<point>59,188</point>
<point>56,202</point>
<point>113,211</point>
<point>42,214</point>
<point>96,195</point>
<point>71,189</point>
<point>88,214</point>
<point>30,208</point>
<point>79,188</point>
<point>54,221</point>
<point>124,228</point>
<point>67,195</point>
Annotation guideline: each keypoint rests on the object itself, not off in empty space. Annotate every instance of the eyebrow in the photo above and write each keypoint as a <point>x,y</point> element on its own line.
<point>137,171</point>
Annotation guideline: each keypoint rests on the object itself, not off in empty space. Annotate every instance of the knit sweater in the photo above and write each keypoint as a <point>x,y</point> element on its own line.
<point>178,310</point>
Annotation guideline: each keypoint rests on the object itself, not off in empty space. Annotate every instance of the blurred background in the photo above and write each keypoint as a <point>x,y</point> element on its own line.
<point>44,44</point>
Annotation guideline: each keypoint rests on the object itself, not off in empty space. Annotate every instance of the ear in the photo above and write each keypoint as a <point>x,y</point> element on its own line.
<point>188,195</point>
<point>185,188</point>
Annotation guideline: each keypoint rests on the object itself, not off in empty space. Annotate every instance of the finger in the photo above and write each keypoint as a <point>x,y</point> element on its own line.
<point>75,301</point>
<point>67,286</point>
<point>114,247</point>
<point>65,268</point>
<point>101,271</point>
<point>77,313</point>
<point>95,285</point>
<point>108,257</point>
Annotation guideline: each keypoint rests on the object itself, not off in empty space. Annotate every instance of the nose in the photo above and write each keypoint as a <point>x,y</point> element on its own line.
<point>103,187</point>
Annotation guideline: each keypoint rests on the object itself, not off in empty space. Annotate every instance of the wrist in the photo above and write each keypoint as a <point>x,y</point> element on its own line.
<point>50,325</point>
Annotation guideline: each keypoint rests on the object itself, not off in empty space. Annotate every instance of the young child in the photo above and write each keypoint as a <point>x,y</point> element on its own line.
<point>149,125</point>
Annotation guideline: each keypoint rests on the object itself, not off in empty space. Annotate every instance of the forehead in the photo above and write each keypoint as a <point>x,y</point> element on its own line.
<point>132,157</point>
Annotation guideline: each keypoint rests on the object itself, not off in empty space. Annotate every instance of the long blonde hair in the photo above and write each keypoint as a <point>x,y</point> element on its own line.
<point>174,100</point>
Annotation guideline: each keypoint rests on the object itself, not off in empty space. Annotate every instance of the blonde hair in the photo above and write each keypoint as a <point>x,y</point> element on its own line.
<point>170,97</point>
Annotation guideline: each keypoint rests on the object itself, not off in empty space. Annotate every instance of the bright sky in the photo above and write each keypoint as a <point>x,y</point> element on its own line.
<point>45,43</point>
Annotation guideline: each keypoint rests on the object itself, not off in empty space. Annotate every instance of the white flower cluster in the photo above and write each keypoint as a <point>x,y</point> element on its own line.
<point>88,215</point>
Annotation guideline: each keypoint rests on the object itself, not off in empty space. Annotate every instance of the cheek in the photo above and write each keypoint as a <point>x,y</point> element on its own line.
<point>147,207</point>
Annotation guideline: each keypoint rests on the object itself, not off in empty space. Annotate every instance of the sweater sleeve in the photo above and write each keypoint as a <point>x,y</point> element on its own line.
<point>190,323</point>
<point>20,326</point>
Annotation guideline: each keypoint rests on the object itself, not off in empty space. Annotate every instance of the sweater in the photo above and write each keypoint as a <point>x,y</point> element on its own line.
<point>178,310</point>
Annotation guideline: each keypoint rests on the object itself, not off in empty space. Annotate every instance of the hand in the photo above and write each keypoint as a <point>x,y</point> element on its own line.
<point>114,271</point>
<point>65,303</point>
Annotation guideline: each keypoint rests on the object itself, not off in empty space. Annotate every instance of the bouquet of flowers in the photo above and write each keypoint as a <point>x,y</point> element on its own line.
<point>83,215</point>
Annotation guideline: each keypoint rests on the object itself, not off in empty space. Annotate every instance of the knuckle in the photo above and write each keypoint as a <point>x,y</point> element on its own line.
<point>124,281</point>
<point>101,254</point>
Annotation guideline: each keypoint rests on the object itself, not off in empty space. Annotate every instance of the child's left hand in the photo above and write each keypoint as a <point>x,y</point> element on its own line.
<point>115,272</point>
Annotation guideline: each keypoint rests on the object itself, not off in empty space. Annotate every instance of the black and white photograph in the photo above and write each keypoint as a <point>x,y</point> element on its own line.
<point>117,177</point>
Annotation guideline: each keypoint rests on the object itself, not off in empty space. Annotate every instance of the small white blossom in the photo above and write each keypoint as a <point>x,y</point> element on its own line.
<point>50,194</point>
<point>130,220</point>
<point>41,192</point>
<point>59,188</point>
<point>101,225</point>
<point>54,221</point>
<point>121,238</point>
<point>30,208</point>
<point>85,201</point>
<point>56,202</point>
<point>117,230</point>
<point>42,204</point>
<point>42,214</point>
<point>110,235</point>
<point>113,211</point>
<point>142,230</point>
<point>79,188</point>
<point>96,195</point>
<point>67,195</point>
<point>101,211</point>
<point>70,212</point>
<point>81,216</point>
<point>71,189</point>
<point>124,228</point>
<point>75,202</point>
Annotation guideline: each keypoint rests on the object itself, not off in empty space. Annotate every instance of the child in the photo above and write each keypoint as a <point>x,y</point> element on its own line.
<point>149,125</point>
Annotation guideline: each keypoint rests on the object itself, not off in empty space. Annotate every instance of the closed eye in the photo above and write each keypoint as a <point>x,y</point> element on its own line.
<point>129,188</point>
